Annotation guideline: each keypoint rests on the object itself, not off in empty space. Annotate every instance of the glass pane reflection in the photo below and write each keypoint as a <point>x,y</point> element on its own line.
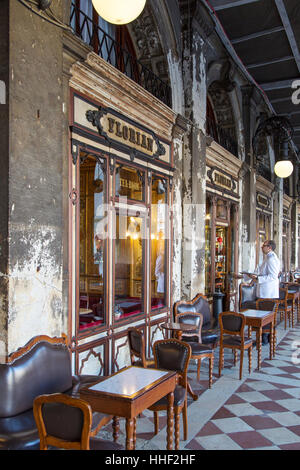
<point>92,241</point>
<point>158,243</point>
<point>129,266</point>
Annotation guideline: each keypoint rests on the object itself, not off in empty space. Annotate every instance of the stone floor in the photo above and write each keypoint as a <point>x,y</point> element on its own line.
<point>261,412</point>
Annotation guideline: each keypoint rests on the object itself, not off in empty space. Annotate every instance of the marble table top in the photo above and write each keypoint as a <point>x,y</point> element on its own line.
<point>129,381</point>
<point>256,313</point>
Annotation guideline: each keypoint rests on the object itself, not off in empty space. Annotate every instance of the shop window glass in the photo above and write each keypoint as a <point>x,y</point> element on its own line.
<point>158,243</point>
<point>92,241</point>
<point>221,257</point>
<point>130,183</point>
<point>129,266</point>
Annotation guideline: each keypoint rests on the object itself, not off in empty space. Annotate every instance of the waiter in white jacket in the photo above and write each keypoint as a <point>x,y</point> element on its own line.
<point>267,278</point>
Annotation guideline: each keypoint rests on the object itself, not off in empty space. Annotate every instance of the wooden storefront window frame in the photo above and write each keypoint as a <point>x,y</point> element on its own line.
<point>89,331</point>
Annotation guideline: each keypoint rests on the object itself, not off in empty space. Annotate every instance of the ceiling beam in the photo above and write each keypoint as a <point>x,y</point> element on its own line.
<point>224,4</point>
<point>266,32</point>
<point>270,62</point>
<point>289,30</point>
<point>290,113</point>
<point>278,85</point>
<point>281,100</point>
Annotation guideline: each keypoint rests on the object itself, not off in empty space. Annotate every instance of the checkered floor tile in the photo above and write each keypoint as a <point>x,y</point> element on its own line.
<point>263,412</point>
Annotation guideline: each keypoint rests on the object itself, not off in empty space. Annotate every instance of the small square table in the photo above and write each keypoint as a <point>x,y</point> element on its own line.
<point>129,392</point>
<point>258,319</point>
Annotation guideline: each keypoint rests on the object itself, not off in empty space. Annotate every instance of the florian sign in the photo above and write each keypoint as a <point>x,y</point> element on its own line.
<point>116,128</point>
<point>221,179</point>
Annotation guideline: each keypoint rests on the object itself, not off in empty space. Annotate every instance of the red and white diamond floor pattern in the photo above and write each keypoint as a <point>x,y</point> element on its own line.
<point>263,412</point>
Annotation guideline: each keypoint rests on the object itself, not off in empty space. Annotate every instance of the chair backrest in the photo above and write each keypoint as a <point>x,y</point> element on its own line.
<point>247,293</point>
<point>42,366</point>
<point>192,319</point>
<point>62,421</point>
<point>232,323</point>
<point>136,345</point>
<point>199,304</point>
<point>172,354</point>
<point>267,304</point>
<point>283,293</point>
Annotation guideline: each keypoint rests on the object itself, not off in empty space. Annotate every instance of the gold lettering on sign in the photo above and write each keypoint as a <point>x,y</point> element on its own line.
<point>127,133</point>
<point>222,180</point>
<point>129,184</point>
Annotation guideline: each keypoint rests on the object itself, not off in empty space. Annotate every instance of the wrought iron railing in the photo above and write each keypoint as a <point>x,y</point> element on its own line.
<point>111,51</point>
<point>221,136</point>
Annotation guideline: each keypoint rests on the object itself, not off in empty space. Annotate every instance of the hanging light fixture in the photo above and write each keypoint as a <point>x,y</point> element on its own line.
<point>283,168</point>
<point>280,128</point>
<point>119,11</point>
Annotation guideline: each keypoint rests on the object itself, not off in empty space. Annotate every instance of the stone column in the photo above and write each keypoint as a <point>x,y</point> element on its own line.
<point>4,164</point>
<point>277,217</point>
<point>178,132</point>
<point>196,28</point>
<point>248,225</point>
<point>35,176</point>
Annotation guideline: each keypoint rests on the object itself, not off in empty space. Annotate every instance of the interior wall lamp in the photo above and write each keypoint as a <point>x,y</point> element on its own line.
<point>119,11</point>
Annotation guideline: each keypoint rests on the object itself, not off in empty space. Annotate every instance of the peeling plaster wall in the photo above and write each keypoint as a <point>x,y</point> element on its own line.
<point>176,83</point>
<point>194,167</point>
<point>35,178</point>
<point>177,221</point>
<point>4,165</point>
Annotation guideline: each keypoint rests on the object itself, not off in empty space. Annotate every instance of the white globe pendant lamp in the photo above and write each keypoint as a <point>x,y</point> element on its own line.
<point>119,11</point>
<point>283,168</point>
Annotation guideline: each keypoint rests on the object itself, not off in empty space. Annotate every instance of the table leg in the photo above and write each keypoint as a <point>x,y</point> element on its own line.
<point>271,340</point>
<point>116,428</point>
<point>170,421</point>
<point>134,433</point>
<point>129,434</point>
<point>258,346</point>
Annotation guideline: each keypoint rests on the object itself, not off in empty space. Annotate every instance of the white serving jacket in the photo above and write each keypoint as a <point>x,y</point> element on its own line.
<point>268,282</point>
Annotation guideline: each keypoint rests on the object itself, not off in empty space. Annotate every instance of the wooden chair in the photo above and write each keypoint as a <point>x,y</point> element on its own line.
<point>65,422</point>
<point>285,307</point>
<point>268,305</point>
<point>172,354</point>
<point>232,336</point>
<point>193,338</point>
<point>136,343</point>
<point>199,304</point>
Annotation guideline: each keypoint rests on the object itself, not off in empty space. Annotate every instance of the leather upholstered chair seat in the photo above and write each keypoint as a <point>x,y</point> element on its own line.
<point>236,341</point>
<point>179,397</point>
<point>199,304</point>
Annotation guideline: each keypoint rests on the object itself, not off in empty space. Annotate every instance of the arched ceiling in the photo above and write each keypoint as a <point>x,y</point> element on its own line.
<point>266,36</point>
